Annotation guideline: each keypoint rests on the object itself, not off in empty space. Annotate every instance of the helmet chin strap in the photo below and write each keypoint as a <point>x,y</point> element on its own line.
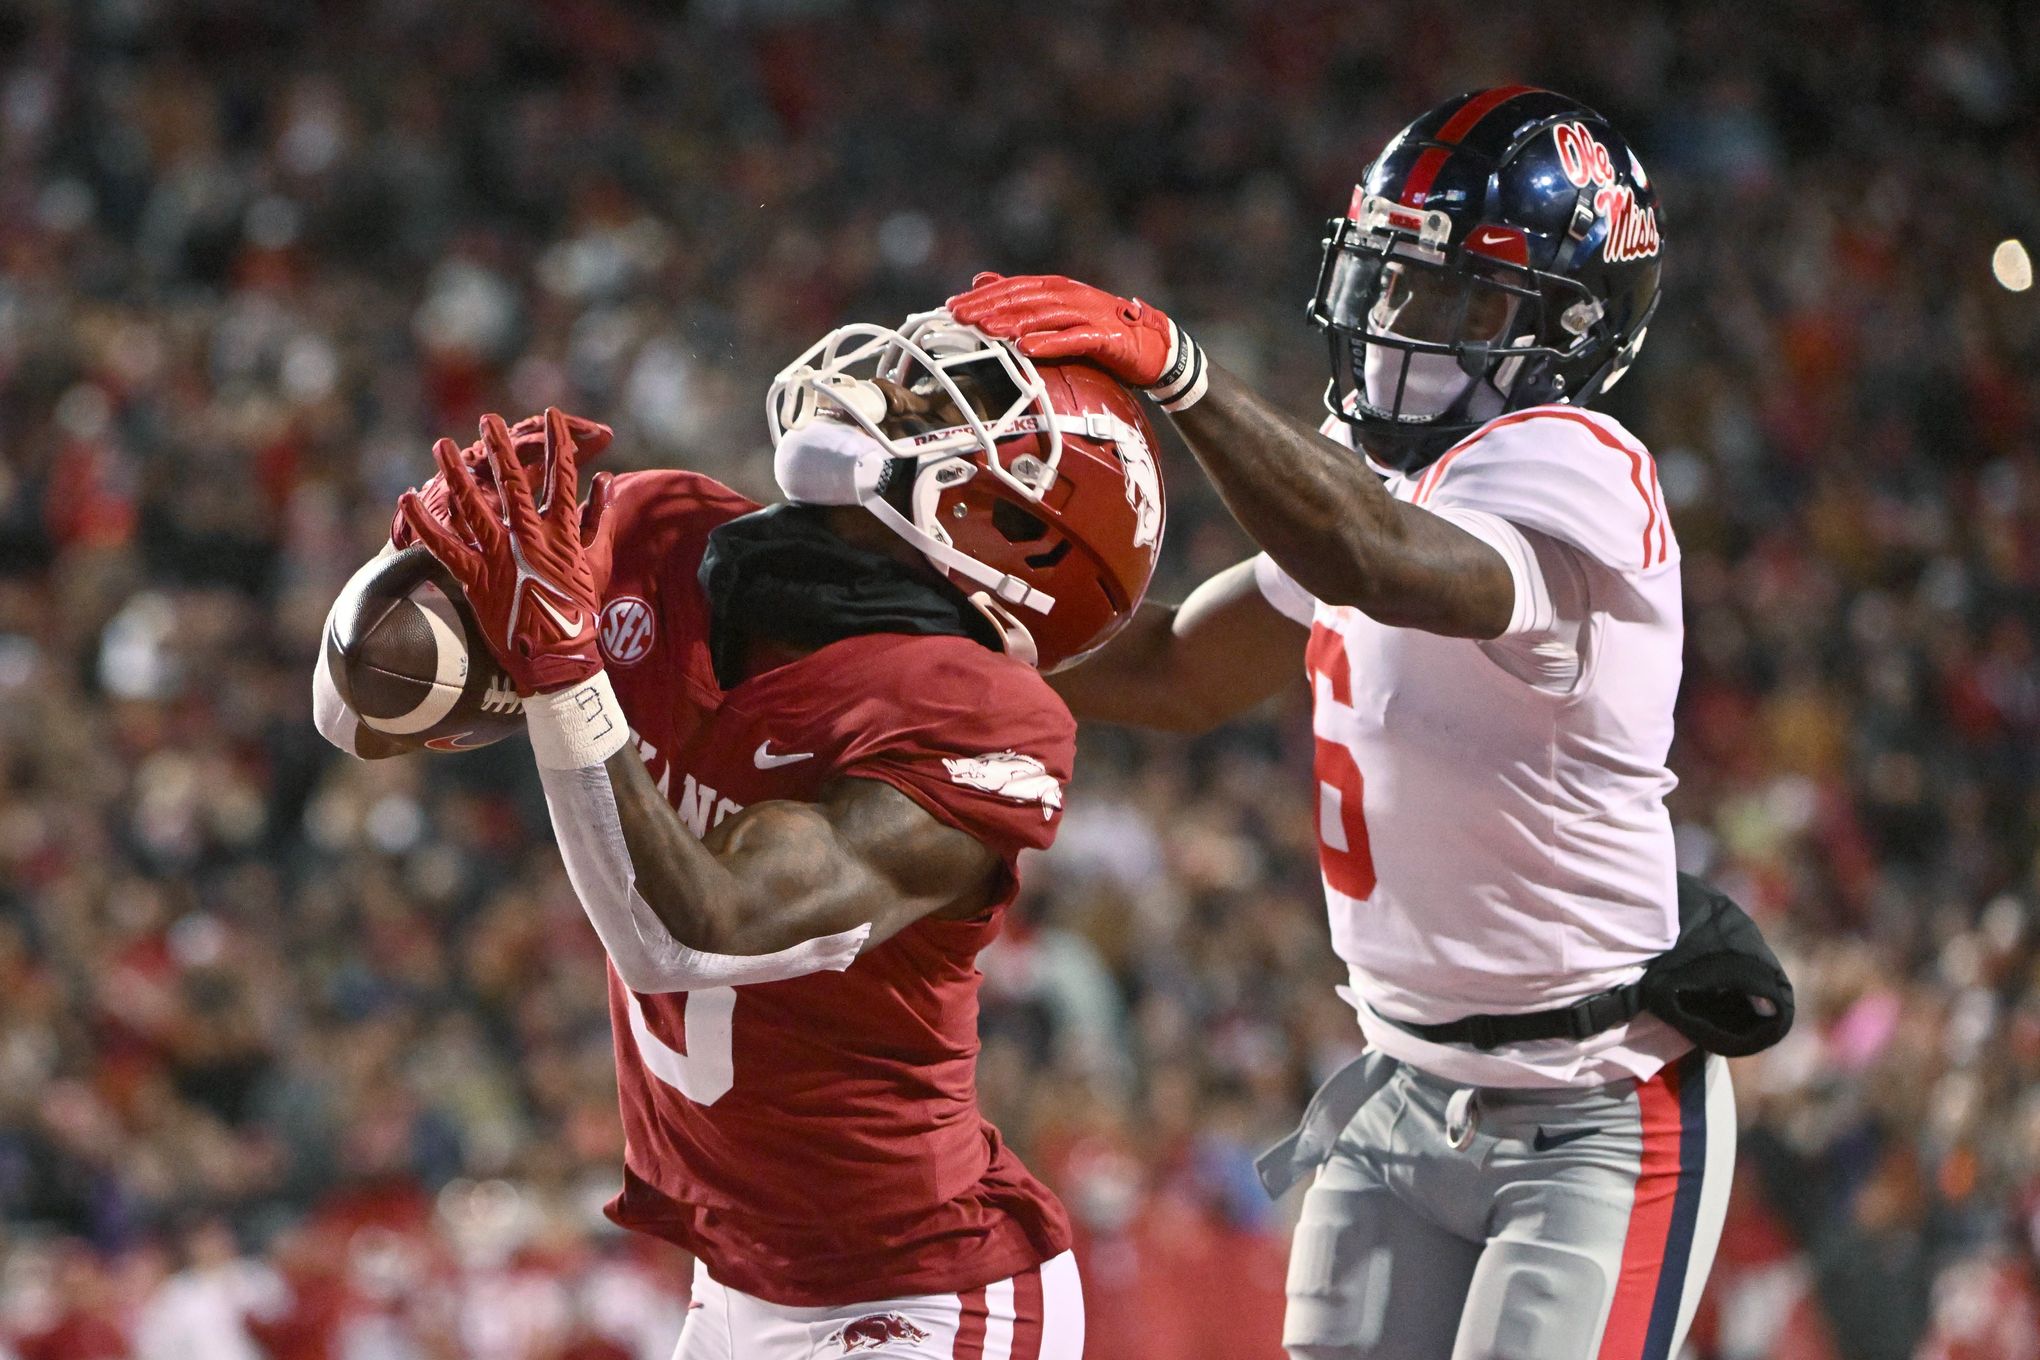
<point>1019,642</point>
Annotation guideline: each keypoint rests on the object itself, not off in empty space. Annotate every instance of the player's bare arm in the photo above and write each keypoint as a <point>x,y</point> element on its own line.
<point>1193,666</point>
<point>1321,513</point>
<point>673,912</point>
<point>781,873</point>
<point>1325,518</point>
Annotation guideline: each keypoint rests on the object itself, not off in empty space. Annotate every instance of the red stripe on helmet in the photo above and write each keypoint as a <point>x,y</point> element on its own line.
<point>1418,186</point>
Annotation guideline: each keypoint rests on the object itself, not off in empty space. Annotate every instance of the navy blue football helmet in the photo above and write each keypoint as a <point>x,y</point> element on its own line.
<point>1503,251</point>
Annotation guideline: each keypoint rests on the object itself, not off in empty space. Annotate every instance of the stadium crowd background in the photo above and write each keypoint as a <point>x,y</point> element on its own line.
<point>302,1057</point>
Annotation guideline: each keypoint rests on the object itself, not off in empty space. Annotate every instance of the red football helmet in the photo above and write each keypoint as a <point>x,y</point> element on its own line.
<point>1043,503</point>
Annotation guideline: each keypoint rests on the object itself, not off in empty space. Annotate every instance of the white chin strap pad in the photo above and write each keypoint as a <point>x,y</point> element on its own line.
<point>828,462</point>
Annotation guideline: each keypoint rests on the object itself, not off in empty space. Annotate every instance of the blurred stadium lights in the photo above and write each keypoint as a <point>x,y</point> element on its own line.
<point>2012,266</point>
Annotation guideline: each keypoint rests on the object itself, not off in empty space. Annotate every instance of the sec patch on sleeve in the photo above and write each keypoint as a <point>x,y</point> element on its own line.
<point>1009,775</point>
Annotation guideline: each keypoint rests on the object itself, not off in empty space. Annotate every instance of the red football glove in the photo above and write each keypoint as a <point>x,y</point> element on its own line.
<point>1050,317</point>
<point>527,437</point>
<point>522,567</point>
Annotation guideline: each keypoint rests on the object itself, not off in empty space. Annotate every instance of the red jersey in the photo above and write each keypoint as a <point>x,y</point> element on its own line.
<point>817,1141</point>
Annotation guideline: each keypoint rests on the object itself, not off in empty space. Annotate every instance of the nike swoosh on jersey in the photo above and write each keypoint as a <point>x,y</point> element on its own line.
<point>765,760</point>
<point>1545,1142</point>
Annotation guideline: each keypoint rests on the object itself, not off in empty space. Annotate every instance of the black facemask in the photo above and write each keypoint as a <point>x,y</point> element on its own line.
<point>779,575</point>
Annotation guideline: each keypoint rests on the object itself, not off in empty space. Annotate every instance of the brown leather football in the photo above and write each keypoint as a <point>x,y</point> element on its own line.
<point>409,660</point>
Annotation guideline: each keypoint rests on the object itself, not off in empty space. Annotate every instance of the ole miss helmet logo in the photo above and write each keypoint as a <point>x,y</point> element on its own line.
<point>875,1332</point>
<point>626,633</point>
<point>1632,235</point>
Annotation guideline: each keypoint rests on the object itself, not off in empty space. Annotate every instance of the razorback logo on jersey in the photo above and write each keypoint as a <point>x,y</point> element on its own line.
<point>1009,775</point>
<point>1632,235</point>
<point>875,1332</point>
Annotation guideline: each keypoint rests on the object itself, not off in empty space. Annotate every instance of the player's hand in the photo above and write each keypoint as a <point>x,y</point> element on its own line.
<point>527,437</point>
<point>521,563</point>
<point>1050,317</point>
<point>598,530</point>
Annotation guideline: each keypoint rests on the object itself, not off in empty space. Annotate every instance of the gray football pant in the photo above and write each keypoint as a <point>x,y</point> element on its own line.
<point>1570,1224</point>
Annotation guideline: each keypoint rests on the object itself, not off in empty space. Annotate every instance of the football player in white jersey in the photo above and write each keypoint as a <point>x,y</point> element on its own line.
<point>1487,607</point>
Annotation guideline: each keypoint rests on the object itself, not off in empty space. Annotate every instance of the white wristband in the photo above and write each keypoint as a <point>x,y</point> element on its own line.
<point>1183,382</point>
<point>576,727</point>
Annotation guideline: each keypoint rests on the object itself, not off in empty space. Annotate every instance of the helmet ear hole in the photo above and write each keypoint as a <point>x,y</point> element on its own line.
<point>1044,560</point>
<point>1017,525</point>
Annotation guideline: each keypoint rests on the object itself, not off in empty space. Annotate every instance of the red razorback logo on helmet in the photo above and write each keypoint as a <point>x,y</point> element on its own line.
<point>876,1331</point>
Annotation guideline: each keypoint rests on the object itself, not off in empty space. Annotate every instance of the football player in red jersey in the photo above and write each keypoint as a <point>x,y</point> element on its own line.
<point>792,756</point>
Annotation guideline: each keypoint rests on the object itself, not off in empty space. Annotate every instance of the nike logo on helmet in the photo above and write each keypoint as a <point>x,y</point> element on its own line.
<point>1545,1142</point>
<point>765,760</point>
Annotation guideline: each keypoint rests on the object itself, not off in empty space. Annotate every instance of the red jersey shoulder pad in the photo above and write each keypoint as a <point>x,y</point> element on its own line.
<point>672,499</point>
<point>976,737</point>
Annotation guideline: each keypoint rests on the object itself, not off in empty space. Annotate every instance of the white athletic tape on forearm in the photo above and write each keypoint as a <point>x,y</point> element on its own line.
<point>1184,381</point>
<point>646,956</point>
<point>576,727</point>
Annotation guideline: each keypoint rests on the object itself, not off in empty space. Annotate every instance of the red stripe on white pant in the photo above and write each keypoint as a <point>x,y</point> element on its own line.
<point>1650,1215</point>
<point>1002,1321</point>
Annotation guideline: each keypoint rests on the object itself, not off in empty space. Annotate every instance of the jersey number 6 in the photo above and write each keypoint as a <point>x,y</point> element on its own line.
<point>705,1072</point>
<point>1342,819</point>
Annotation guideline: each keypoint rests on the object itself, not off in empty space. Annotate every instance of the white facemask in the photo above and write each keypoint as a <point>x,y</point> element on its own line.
<point>832,462</point>
<point>1434,382</point>
<point>828,462</point>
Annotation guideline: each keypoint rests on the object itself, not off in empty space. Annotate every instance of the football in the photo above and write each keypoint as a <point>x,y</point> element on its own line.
<point>408,658</point>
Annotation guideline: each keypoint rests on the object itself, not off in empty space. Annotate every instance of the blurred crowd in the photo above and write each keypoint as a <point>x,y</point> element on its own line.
<point>305,1057</point>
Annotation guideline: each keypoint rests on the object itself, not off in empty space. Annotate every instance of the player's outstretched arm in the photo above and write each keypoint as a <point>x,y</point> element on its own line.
<point>1193,666</point>
<point>779,874</point>
<point>1317,509</point>
<point>1328,522</point>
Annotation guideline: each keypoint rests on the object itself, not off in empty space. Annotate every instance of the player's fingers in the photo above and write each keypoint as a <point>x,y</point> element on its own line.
<point>1077,341</point>
<point>979,281</point>
<point>591,437</point>
<point>511,486</point>
<point>966,305</point>
<point>464,501</point>
<point>562,462</point>
<point>996,318</point>
<point>1032,286</point>
<point>595,519</point>
<point>439,540</point>
<point>598,529</point>
<point>1036,314</point>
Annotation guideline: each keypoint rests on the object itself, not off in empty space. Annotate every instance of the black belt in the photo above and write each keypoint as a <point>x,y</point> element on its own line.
<point>1582,1020</point>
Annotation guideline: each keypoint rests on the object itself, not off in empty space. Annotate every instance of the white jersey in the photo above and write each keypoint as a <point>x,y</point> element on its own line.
<point>1491,815</point>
